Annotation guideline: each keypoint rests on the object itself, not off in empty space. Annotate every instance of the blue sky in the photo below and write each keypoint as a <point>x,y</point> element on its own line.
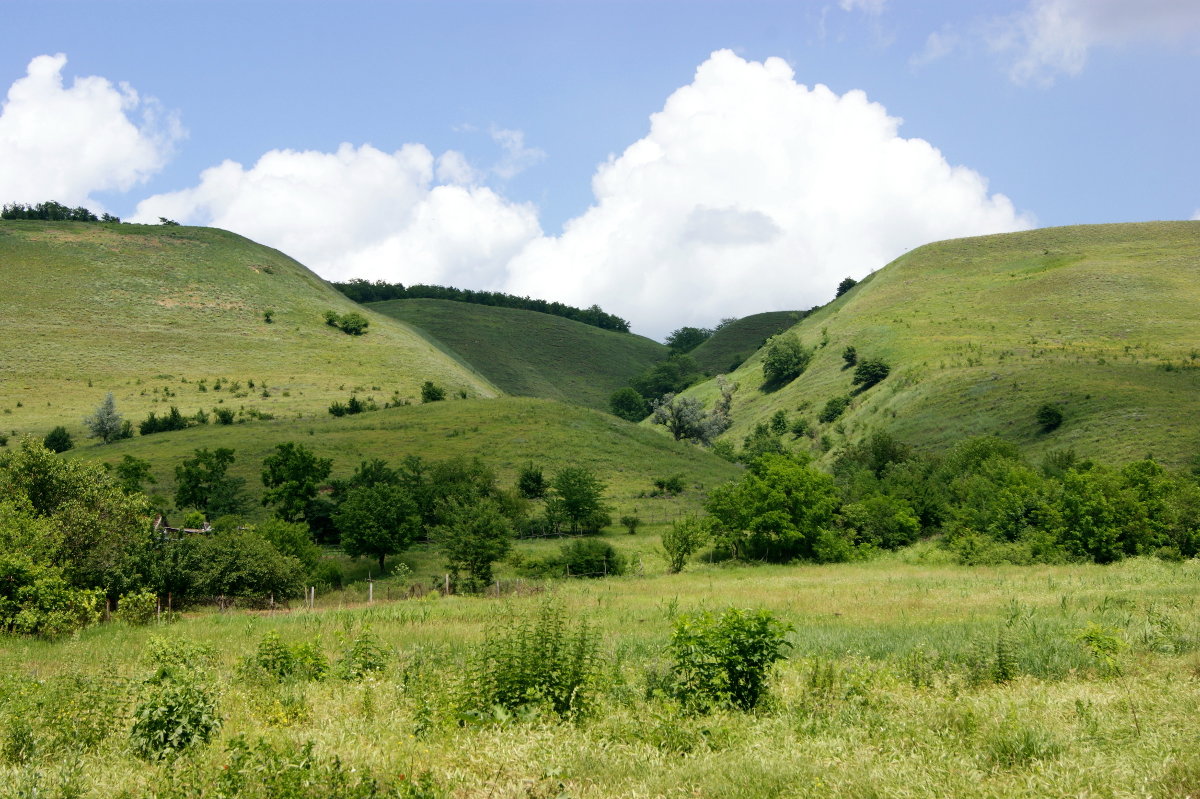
<point>1076,111</point>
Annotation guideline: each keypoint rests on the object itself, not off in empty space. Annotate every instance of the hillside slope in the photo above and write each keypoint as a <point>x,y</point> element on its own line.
<point>736,341</point>
<point>532,354</point>
<point>1102,321</point>
<point>148,312</point>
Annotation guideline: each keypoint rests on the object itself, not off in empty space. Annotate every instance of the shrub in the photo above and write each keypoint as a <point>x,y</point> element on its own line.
<point>833,409</point>
<point>531,483</point>
<point>670,486</point>
<point>431,392</point>
<point>870,372</point>
<point>137,608</point>
<point>277,660</point>
<point>58,440</point>
<point>224,415</point>
<point>682,540</point>
<point>365,654</point>
<point>850,356</point>
<point>540,660</point>
<point>35,599</point>
<point>631,522</point>
<point>589,557</point>
<point>628,404</point>
<point>355,324</point>
<point>176,709</point>
<point>724,661</point>
<point>785,359</point>
<point>1049,417</point>
<point>779,423</point>
<point>268,316</point>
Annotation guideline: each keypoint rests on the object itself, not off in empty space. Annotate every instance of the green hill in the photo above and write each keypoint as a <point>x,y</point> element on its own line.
<point>149,312</point>
<point>532,354</point>
<point>1100,321</point>
<point>736,341</point>
<point>506,433</point>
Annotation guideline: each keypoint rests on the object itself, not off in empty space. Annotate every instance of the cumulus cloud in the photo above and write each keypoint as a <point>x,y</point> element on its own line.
<point>1054,37</point>
<point>362,212</point>
<point>65,143</point>
<point>750,193</point>
<point>1196,216</point>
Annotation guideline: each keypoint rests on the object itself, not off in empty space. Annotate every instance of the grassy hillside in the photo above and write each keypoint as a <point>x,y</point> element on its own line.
<point>148,312</point>
<point>532,354</point>
<point>1101,321</point>
<point>506,433</point>
<point>738,340</point>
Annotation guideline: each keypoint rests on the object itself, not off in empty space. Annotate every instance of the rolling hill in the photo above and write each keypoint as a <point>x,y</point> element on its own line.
<point>1101,321</point>
<point>173,315</point>
<point>531,354</point>
<point>736,341</point>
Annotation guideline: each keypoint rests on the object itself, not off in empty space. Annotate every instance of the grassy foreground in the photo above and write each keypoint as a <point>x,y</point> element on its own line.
<point>890,690</point>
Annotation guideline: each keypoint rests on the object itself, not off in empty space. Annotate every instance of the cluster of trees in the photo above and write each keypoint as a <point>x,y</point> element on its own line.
<point>670,376</point>
<point>353,323</point>
<point>361,290</point>
<point>53,212</point>
<point>984,500</point>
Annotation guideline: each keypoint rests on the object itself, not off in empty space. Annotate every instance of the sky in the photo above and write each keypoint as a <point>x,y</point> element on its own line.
<point>676,162</point>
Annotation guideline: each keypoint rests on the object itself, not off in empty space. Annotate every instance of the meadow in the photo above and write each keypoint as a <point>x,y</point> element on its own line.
<point>905,678</point>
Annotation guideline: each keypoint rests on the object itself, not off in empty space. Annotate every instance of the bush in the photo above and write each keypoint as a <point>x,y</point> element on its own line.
<point>724,661</point>
<point>355,324</point>
<point>137,608</point>
<point>850,356</point>
<point>58,440</point>
<point>833,409</point>
<point>365,654</point>
<point>669,486</point>
<point>1049,417</point>
<point>682,540</point>
<point>531,483</point>
<point>631,522</point>
<point>35,599</point>
<point>785,359</point>
<point>870,372</point>
<point>589,557</point>
<point>541,660</point>
<point>224,415</point>
<point>628,404</point>
<point>431,392</point>
<point>173,714</point>
<point>277,660</point>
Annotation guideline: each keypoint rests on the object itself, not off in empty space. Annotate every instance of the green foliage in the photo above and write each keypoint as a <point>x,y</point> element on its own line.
<point>760,441</point>
<point>365,654</point>
<point>1105,645</point>
<point>784,359</point>
<point>726,660</point>
<point>431,392</point>
<point>846,284</point>
<point>683,539</point>
<point>834,408</point>
<point>202,482</point>
<point>668,486</point>
<point>869,372</point>
<point>779,422</point>
<point>626,403</point>
<point>58,440</point>
<point>671,376</point>
<point>36,600</point>
<point>541,660</point>
<point>881,521</point>
<point>137,608</point>
<point>782,508</point>
<point>686,339</point>
<point>353,323</point>
<point>52,211</point>
<point>590,557</point>
<point>274,659</point>
<point>377,520</point>
<point>133,473</point>
<point>473,536</point>
<point>531,483</point>
<point>849,356</point>
<point>735,339</point>
<point>175,712</point>
<point>577,497</point>
<point>631,522</point>
<point>105,423</point>
<point>174,420</point>
<point>243,565</point>
<point>291,539</point>
<point>1049,417</point>
<point>292,475</point>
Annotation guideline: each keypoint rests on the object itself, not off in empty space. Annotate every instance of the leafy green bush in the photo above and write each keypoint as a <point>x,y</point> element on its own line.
<point>590,557</point>
<point>541,660</point>
<point>628,404</point>
<point>631,522</point>
<point>684,537</point>
<point>870,372</point>
<point>785,359</point>
<point>431,392</point>
<point>833,409</point>
<point>1049,417</point>
<point>175,712</point>
<point>137,608</point>
<point>58,440</point>
<point>365,654</point>
<point>35,599</point>
<point>850,356</point>
<point>669,486</point>
<point>276,660</point>
<point>531,483</point>
<point>724,661</point>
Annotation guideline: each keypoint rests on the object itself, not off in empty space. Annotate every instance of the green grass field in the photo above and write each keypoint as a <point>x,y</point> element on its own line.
<point>148,312</point>
<point>506,433</point>
<point>530,354</point>
<point>887,691</point>
<point>1099,320</point>
<point>738,340</point>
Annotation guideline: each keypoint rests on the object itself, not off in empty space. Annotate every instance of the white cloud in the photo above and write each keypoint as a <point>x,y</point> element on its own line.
<point>752,193</point>
<point>871,7</point>
<point>1053,37</point>
<point>517,157</point>
<point>361,212</point>
<point>938,45</point>
<point>64,144</point>
<point>1196,216</point>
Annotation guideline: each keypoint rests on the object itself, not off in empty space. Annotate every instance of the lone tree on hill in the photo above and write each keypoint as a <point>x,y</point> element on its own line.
<point>785,359</point>
<point>105,424</point>
<point>377,520</point>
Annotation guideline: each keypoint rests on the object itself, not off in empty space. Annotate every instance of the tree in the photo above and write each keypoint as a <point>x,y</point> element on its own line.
<point>531,483</point>
<point>834,408</point>
<point>578,496</point>
<point>132,472</point>
<point>1049,417</point>
<point>201,482</point>
<point>869,372</point>
<point>682,416</point>
<point>291,476</point>
<point>629,405</point>
<point>846,284</point>
<point>58,440</point>
<point>354,323</point>
<point>431,392</point>
<point>686,339</point>
<point>377,520</point>
<point>850,356</point>
<point>105,424</point>
<point>682,540</point>
<point>473,536</point>
<point>785,359</point>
